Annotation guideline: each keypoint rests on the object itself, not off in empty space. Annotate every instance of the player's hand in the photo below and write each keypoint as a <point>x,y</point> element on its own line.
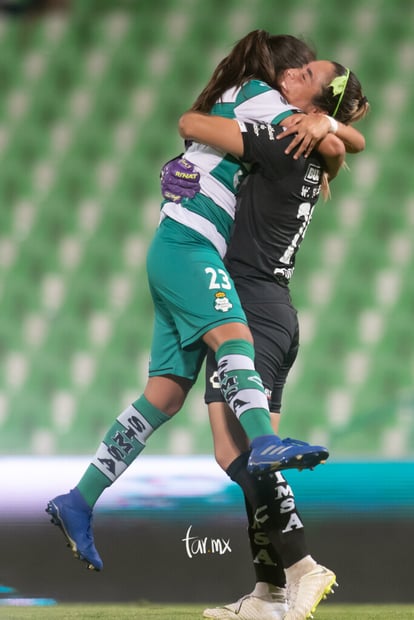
<point>179,179</point>
<point>307,129</point>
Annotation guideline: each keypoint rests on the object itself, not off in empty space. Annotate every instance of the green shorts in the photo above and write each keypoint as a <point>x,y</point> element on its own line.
<point>192,293</point>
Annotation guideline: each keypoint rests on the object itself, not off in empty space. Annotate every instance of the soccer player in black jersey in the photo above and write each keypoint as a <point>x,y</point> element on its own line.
<point>275,208</point>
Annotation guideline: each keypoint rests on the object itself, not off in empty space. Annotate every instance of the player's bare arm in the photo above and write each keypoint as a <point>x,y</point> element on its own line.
<point>215,131</point>
<point>333,152</point>
<point>309,129</point>
<point>224,134</point>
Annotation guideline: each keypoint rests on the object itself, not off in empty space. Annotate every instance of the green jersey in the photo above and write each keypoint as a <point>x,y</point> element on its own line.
<point>211,211</point>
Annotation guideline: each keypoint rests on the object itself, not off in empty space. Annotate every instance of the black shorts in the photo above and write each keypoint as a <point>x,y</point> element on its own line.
<point>274,324</point>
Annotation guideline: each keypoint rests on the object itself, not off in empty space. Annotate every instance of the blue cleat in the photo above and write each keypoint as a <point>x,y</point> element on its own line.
<point>73,516</point>
<point>270,453</point>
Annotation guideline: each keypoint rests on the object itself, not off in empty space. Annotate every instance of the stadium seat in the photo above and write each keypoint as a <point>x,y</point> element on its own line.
<point>88,114</point>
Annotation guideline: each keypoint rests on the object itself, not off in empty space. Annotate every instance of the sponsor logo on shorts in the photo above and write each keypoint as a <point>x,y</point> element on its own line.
<point>214,380</point>
<point>221,302</point>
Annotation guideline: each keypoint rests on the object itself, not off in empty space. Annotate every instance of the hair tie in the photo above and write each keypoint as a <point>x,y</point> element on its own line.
<point>338,86</point>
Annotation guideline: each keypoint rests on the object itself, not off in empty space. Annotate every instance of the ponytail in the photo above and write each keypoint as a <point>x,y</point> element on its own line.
<point>260,56</point>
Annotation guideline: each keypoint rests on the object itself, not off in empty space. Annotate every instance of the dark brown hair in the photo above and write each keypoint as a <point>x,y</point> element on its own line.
<point>259,55</point>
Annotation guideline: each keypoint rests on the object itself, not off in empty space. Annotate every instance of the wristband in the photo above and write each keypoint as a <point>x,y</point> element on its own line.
<point>333,124</point>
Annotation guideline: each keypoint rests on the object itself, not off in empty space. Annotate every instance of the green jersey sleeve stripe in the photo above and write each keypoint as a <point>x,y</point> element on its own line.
<point>223,109</point>
<point>251,89</point>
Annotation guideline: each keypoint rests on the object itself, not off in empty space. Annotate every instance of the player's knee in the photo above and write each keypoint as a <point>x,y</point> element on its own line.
<point>228,331</point>
<point>225,457</point>
<point>173,405</point>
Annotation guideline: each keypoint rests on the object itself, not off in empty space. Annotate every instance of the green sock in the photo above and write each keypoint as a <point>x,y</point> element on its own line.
<point>242,387</point>
<point>121,445</point>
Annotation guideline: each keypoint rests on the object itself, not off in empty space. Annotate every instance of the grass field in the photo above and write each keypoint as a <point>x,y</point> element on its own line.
<point>187,612</point>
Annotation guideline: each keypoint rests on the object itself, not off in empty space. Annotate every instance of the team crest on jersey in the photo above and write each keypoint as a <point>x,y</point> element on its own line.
<point>221,302</point>
<point>313,174</point>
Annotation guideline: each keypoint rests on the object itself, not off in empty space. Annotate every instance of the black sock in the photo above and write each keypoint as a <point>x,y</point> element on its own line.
<point>273,507</point>
<point>266,560</point>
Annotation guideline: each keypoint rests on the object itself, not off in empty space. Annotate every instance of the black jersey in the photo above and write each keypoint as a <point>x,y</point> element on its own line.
<point>275,206</point>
